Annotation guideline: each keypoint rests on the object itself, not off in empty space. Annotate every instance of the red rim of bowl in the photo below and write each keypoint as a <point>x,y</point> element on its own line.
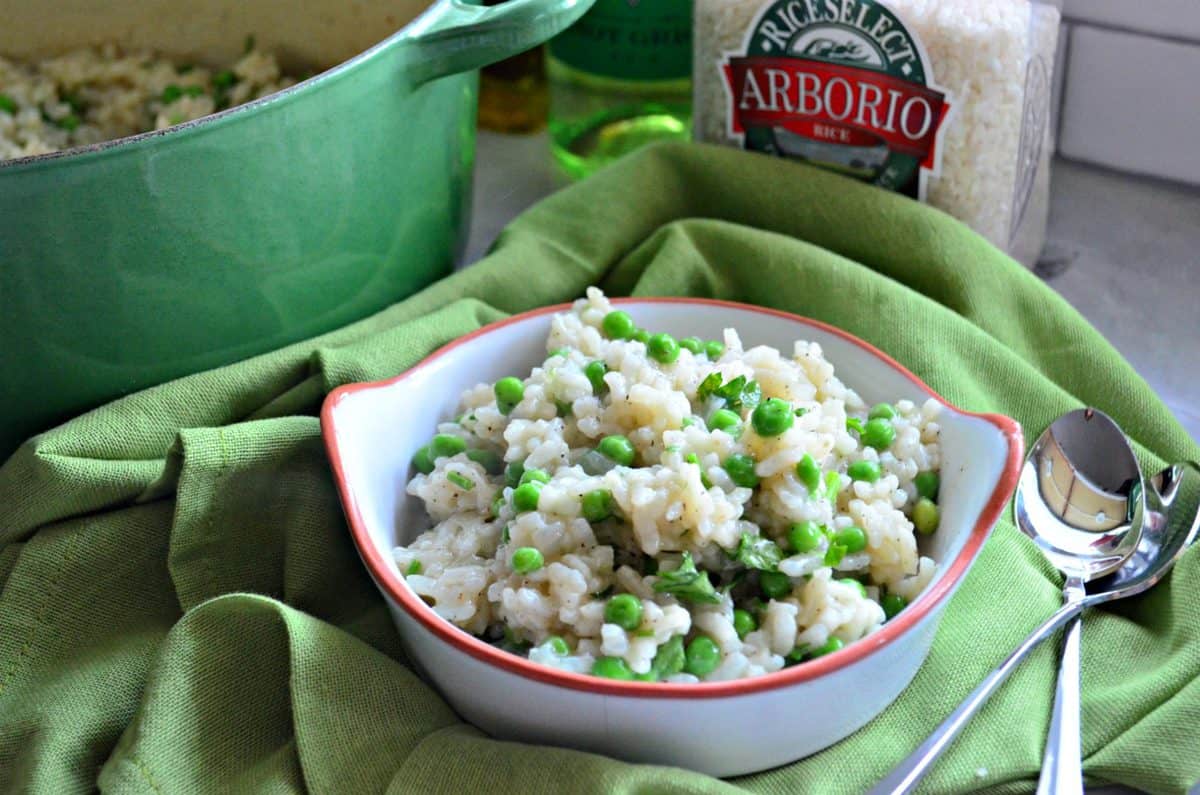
<point>391,583</point>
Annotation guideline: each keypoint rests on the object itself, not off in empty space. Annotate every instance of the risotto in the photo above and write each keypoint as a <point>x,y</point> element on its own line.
<point>645,508</point>
<point>98,94</point>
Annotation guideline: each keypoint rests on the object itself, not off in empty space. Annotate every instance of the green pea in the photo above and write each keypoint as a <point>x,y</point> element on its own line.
<point>862,589</point>
<point>618,325</point>
<point>892,604</point>
<point>864,470</point>
<point>854,424</point>
<point>926,516</point>
<point>224,80</point>
<point>624,610</point>
<point>558,645</point>
<point>797,654</point>
<point>686,422</point>
<point>723,420</point>
<point>509,391</point>
<point>422,460</point>
<point>445,445</point>
<point>743,622</point>
<point>702,656</point>
<point>70,122</point>
<point>525,497</point>
<point>171,93</point>
<point>714,350</point>
<point>558,352</point>
<point>193,91</point>
<point>808,473</point>
<point>878,433</point>
<point>534,475</point>
<point>882,411</point>
<point>513,473</point>
<point>830,646</point>
<point>413,568</point>
<point>491,462</point>
<point>804,536</point>
<point>595,374</point>
<point>774,584</point>
<point>617,449</point>
<point>597,505</point>
<point>663,348</point>
<point>641,335</point>
<point>772,417</point>
<point>741,470</point>
<point>693,344</point>
<point>928,484</point>
<point>527,559</point>
<point>852,538</point>
<point>497,503</point>
<point>562,408</point>
<point>8,105</point>
<point>612,668</point>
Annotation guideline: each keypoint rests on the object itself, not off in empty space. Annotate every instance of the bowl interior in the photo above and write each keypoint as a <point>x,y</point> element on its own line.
<point>302,33</point>
<point>377,427</point>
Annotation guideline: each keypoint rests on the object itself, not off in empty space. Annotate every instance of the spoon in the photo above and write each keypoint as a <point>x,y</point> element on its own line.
<point>1169,528</point>
<point>1080,499</point>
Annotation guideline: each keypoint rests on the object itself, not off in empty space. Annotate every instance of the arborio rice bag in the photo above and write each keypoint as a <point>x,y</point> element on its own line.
<point>946,101</point>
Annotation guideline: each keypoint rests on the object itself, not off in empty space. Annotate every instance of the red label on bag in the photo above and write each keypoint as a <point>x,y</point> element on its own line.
<point>840,84</point>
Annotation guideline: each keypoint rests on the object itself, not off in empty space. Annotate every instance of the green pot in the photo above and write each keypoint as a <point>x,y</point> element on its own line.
<point>132,262</point>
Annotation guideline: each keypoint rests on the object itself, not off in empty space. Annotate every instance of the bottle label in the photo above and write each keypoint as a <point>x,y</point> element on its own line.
<point>844,84</point>
<point>630,40</point>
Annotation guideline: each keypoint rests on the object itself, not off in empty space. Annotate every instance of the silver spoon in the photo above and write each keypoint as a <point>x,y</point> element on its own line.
<point>1169,528</point>
<point>1080,499</point>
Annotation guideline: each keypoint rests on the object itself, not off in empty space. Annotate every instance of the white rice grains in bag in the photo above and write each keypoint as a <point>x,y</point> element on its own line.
<point>946,101</point>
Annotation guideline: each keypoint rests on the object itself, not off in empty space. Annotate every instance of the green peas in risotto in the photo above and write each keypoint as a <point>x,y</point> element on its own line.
<point>705,511</point>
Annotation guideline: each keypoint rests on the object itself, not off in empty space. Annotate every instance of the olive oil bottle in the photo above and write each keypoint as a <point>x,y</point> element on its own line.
<point>619,78</point>
<point>512,92</point>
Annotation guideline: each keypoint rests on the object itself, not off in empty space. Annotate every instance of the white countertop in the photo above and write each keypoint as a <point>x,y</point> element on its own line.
<point>1123,250</point>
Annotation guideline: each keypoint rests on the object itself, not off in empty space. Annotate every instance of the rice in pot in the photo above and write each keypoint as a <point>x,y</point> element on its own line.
<point>98,94</point>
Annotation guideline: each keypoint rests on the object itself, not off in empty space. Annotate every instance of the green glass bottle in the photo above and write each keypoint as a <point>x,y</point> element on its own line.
<point>620,78</point>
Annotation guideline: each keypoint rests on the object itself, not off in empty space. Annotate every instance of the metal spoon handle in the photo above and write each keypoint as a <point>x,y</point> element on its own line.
<point>905,776</point>
<point>1062,762</point>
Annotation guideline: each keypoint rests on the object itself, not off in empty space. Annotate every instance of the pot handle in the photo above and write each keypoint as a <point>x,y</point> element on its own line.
<point>457,36</point>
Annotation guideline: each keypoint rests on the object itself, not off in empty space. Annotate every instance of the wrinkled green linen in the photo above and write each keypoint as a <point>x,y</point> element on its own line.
<point>182,609</point>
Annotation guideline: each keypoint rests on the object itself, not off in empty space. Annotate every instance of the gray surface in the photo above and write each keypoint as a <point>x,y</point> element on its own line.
<point>1125,251</point>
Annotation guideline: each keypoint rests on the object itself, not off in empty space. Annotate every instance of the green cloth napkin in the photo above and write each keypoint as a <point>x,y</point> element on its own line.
<point>182,609</point>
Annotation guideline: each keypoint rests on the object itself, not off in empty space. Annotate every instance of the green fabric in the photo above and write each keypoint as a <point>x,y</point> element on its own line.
<point>182,609</point>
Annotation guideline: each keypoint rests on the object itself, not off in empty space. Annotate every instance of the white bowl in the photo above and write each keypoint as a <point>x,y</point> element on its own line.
<point>721,728</point>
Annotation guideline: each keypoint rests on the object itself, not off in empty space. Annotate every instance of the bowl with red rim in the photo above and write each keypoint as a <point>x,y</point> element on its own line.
<point>372,430</point>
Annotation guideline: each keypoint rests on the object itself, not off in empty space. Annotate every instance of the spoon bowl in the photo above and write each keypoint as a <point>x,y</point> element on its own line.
<point>1172,525</point>
<point>1080,495</point>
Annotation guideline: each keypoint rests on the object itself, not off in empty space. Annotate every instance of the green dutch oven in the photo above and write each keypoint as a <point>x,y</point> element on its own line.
<point>131,262</point>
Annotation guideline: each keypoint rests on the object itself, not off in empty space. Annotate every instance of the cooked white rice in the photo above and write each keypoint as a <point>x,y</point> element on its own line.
<point>98,94</point>
<point>663,509</point>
